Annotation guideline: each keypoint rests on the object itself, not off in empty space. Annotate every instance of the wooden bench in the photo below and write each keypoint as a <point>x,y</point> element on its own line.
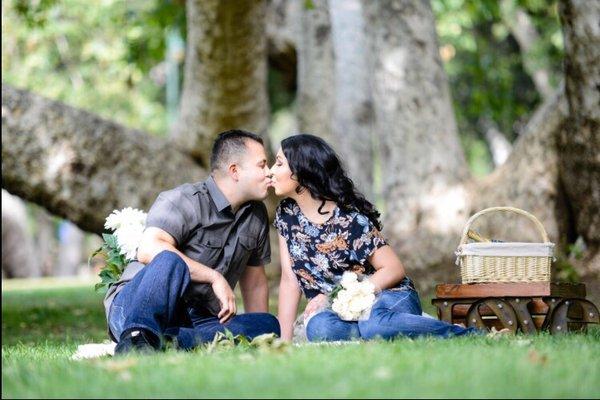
<point>528,307</point>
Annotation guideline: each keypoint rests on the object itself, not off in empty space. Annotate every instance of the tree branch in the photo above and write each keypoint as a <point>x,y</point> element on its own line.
<point>523,30</point>
<point>80,166</point>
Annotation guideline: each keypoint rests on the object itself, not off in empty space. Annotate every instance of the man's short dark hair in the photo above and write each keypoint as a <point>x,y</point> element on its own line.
<point>230,144</point>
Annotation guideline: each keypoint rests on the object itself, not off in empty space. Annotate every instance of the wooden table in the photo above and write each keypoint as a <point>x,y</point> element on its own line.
<point>528,307</point>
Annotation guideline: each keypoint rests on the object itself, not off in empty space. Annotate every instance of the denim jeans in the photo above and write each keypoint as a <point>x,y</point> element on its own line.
<point>396,312</point>
<point>153,300</point>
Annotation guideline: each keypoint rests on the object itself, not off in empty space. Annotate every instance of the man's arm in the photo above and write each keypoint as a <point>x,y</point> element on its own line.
<point>255,289</point>
<point>155,240</point>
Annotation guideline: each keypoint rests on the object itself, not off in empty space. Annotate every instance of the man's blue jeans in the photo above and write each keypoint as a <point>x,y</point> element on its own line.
<point>396,312</point>
<point>153,300</point>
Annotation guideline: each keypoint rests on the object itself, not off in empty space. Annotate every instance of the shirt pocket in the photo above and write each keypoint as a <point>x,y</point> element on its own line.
<point>244,248</point>
<point>247,242</point>
<point>210,251</point>
<point>246,245</point>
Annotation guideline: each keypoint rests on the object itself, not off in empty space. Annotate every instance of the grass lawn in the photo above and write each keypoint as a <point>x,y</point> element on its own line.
<point>42,324</point>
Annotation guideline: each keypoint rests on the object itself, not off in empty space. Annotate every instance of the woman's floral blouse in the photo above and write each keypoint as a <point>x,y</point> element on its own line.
<point>321,253</point>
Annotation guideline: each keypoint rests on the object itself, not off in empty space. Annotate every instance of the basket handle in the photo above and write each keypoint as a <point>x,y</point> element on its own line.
<point>537,223</point>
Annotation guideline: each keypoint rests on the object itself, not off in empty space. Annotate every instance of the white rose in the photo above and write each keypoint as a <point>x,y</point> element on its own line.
<point>348,279</point>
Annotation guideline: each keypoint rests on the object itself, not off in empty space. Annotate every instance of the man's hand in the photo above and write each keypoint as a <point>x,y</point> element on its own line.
<point>226,297</point>
<point>315,304</point>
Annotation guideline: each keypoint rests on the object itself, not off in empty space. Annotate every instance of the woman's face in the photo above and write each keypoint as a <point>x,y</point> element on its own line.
<point>281,179</point>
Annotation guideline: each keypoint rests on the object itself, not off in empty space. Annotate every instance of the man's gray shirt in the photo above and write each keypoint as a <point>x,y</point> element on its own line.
<point>200,219</point>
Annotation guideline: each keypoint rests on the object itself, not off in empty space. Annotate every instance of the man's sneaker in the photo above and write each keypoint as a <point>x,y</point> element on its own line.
<point>137,340</point>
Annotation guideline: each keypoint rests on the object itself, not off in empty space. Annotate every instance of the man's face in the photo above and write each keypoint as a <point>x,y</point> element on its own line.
<point>253,171</point>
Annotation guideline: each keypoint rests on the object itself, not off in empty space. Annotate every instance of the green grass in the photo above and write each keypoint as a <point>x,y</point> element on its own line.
<point>41,329</point>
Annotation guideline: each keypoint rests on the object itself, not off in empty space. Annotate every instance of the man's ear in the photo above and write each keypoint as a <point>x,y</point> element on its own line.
<point>233,171</point>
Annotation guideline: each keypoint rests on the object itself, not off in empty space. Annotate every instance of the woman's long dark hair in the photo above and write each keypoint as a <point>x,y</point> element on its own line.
<point>318,169</point>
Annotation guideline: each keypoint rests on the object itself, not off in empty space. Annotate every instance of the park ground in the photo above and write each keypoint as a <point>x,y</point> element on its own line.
<point>44,321</point>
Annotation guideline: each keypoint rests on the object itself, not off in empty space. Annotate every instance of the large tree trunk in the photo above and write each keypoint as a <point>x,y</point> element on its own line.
<point>353,114</point>
<point>283,30</point>
<point>316,73</point>
<point>420,152</point>
<point>79,166</point>
<point>225,73</point>
<point>428,191</point>
<point>580,141</point>
<point>18,253</point>
<point>46,243</point>
<point>334,94</point>
<point>528,180</point>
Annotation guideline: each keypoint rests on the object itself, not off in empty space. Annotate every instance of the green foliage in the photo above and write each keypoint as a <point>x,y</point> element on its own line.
<point>115,262</point>
<point>267,342</point>
<point>564,266</point>
<point>108,57</point>
<point>95,55</point>
<point>309,4</point>
<point>486,67</point>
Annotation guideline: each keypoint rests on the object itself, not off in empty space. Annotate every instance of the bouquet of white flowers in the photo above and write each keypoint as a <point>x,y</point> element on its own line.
<point>120,247</point>
<point>353,298</point>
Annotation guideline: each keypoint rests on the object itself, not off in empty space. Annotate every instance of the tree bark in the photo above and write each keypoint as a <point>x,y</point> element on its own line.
<point>524,31</point>
<point>353,114</point>
<point>316,73</point>
<point>79,166</point>
<point>46,242</point>
<point>283,31</point>
<point>225,73</point>
<point>420,150</point>
<point>580,141</point>
<point>499,146</point>
<point>529,180</point>
<point>18,252</point>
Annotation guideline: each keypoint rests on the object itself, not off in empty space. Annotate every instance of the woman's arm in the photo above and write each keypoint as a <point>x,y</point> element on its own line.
<point>389,269</point>
<point>255,289</point>
<point>289,293</point>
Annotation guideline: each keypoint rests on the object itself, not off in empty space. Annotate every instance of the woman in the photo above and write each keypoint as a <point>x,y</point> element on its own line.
<point>327,227</point>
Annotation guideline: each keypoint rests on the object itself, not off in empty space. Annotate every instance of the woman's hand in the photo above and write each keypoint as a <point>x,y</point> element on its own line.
<point>315,304</point>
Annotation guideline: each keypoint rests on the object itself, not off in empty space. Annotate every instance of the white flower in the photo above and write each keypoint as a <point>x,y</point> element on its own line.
<point>348,279</point>
<point>125,217</point>
<point>355,299</point>
<point>129,238</point>
<point>128,225</point>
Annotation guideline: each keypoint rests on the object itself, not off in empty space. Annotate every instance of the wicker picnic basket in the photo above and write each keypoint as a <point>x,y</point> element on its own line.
<point>504,261</point>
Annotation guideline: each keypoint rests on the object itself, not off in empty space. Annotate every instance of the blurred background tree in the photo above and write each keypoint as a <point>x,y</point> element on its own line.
<point>70,51</point>
<point>492,52</point>
<point>124,60</point>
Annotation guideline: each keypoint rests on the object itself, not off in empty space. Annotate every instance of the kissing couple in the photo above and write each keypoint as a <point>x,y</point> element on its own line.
<point>202,238</point>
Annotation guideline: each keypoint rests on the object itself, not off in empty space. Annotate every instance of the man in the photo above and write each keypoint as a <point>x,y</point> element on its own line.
<point>200,239</point>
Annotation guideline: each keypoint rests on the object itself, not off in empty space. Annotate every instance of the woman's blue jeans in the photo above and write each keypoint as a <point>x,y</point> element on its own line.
<point>153,300</point>
<point>396,312</point>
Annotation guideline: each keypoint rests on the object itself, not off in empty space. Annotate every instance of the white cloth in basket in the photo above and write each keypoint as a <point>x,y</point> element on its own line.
<point>506,249</point>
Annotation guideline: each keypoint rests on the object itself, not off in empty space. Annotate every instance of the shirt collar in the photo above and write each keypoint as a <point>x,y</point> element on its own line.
<point>217,196</point>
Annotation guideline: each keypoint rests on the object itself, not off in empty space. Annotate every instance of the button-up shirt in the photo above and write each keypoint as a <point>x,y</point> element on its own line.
<point>205,228</point>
